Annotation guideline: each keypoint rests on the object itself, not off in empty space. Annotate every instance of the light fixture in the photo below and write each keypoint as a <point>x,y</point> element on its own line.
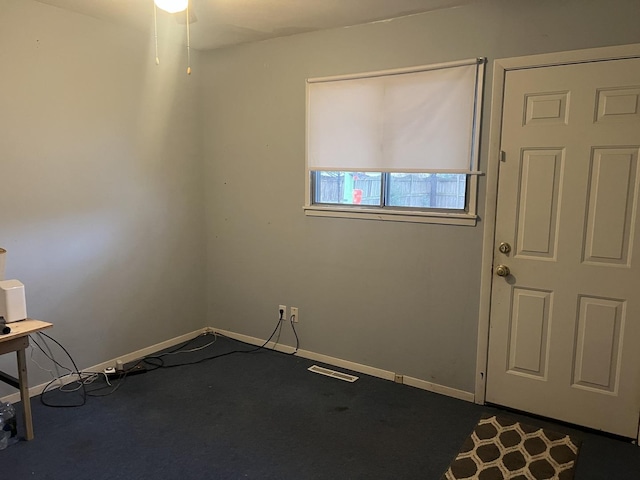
<point>172,6</point>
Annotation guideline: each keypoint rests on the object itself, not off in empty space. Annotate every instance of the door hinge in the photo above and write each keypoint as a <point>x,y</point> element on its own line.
<point>503,156</point>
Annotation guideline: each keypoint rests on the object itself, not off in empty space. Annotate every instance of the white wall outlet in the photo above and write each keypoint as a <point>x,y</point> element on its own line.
<point>283,309</point>
<point>294,314</point>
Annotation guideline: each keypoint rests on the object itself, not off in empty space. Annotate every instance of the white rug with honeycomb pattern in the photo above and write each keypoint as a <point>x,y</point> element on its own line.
<point>501,448</point>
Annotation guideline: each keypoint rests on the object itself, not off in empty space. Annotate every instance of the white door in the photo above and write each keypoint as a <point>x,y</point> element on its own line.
<point>565,323</point>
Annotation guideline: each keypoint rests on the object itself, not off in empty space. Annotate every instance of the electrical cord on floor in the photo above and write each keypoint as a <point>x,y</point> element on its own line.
<point>261,347</point>
<point>177,351</point>
<point>87,378</point>
<point>180,350</point>
<point>84,378</point>
<point>291,318</point>
<point>49,355</point>
<point>149,360</point>
<point>82,387</point>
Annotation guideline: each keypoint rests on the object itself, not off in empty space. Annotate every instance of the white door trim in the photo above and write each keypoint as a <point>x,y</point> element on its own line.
<point>500,67</point>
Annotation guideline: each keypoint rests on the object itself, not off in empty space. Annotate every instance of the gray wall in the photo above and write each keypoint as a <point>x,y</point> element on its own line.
<point>101,194</point>
<point>401,297</point>
<point>130,193</point>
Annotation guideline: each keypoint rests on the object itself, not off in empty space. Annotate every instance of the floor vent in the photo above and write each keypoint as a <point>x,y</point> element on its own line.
<point>332,373</point>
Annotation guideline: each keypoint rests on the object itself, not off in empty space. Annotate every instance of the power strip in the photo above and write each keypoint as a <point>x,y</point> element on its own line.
<point>135,370</point>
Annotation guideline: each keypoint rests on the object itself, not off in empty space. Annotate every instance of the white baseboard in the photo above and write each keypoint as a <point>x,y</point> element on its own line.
<point>436,388</point>
<point>37,390</point>
<point>356,367</point>
<point>336,362</point>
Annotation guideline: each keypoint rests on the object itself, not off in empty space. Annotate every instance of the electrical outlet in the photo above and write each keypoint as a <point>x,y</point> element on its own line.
<point>294,314</point>
<point>283,309</point>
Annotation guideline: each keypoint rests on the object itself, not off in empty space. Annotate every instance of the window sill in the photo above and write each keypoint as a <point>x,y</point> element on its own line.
<point>387,215</point>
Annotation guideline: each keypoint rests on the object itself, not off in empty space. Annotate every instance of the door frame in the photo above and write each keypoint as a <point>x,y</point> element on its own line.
<point>500,67</point>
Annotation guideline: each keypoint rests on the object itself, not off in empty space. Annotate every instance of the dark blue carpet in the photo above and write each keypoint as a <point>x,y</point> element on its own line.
<point>264,416</point>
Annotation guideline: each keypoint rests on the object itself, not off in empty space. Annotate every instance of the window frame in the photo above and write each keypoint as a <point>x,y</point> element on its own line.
<point>468,216</point>
<point>441,216</point>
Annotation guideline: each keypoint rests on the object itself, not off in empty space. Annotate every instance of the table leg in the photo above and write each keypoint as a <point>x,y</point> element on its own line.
<point>24,394</point>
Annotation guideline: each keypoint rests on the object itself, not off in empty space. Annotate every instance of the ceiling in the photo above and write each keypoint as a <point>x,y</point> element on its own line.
<point>219,23</point>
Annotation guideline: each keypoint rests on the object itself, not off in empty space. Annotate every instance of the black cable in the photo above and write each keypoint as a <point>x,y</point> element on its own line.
<point>279,325</point>
<point>47,355</point>
<point>146,360</point>
<point>221,354</point>
<point>184,344</point>
<point>63,349</point>
<point>156,366</point>
<point>158,357</point>
<point>90,392</point>
<point>83,387</point>
<point>149,360</point>
<point>76,372</point>
<point>296,334</point>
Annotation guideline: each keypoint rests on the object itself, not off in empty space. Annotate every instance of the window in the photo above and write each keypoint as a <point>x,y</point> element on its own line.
<point>395,145</point>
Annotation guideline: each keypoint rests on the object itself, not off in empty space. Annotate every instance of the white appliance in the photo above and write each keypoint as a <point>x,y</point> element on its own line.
<point>13,304</point>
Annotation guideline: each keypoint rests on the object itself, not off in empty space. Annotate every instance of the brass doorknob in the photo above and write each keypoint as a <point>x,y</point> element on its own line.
<point>502,271</point>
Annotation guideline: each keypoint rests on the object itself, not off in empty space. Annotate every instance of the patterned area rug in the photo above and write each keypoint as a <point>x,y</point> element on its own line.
<point>501,448</point>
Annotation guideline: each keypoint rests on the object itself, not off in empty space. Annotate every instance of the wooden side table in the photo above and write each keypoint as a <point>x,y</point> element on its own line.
<point>17,341</point>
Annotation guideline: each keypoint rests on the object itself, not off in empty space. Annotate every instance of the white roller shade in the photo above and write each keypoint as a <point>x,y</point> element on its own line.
<point>418,121</point>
